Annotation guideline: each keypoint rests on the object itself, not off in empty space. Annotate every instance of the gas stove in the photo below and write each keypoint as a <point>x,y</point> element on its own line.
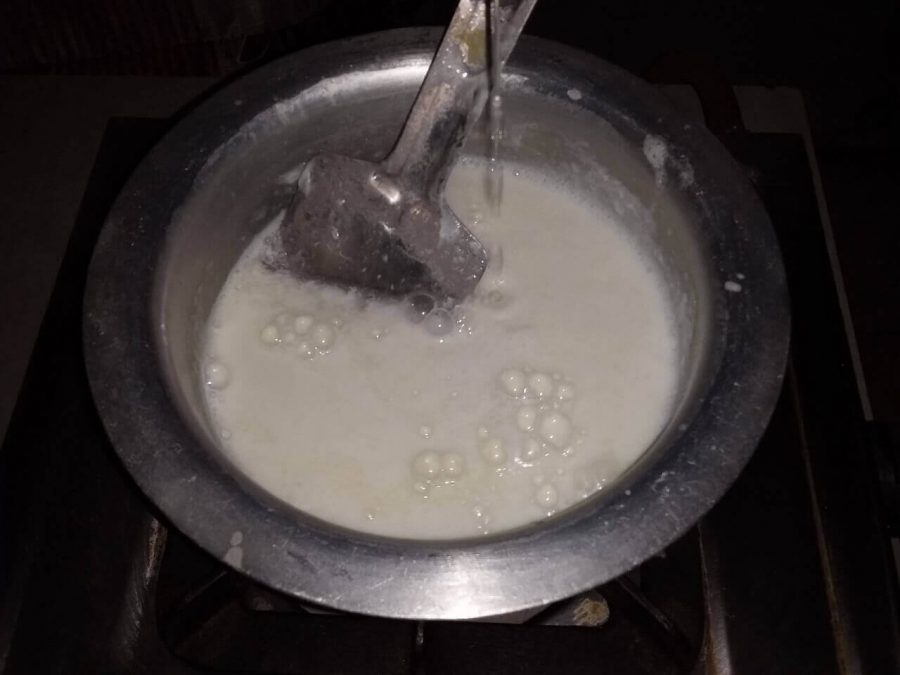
<point>789,573</point>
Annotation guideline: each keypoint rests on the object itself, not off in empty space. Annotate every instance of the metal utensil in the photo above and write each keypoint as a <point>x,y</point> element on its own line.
<point>385,225</point>
<point>211,186</point>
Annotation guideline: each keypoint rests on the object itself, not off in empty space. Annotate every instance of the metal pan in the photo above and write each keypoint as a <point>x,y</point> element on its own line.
<point>212,183</point>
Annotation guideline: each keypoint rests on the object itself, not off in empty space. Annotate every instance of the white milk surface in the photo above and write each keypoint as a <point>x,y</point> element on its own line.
<point>537,393</point>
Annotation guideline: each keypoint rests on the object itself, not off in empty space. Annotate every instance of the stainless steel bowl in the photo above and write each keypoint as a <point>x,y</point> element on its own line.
<point>213,182</point>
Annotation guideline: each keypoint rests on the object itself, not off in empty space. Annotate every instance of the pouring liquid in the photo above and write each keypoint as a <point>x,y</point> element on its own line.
<point>494,178</point>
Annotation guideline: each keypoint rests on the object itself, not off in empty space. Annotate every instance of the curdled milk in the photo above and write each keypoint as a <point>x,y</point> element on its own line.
<point>531,396</point>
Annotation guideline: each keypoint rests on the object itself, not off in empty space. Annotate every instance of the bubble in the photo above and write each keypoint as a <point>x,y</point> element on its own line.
<point>425,431</point>
<point>217,375</point>
<point>496,299</point>
<point>418,306</point>
<point>452,464</point>
<point>526,417</point>
<point>439,323</point>
<point>269,335</point>
<point>427,464</point>
<point>512,382</point>
<point>555,428</point>
<point>322,337</point>
<point>306,350</point>
<point>531,449</point>
<point>546,496</point>
<point>565,391</point>
<point>540,385</point>
<point>458,315</point>
<point>492,451</point>
<point>303,323</point>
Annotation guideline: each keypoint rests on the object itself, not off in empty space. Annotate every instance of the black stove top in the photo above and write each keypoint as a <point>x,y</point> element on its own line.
<point>789,573</point>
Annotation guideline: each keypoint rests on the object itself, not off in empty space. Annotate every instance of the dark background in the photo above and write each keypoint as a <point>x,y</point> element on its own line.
<point>842,55</point>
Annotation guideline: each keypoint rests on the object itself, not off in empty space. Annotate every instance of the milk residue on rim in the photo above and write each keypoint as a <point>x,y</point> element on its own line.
<point>528,398</point>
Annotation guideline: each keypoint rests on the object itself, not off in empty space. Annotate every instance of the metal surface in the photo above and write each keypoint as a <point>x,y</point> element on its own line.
<point>212,183</point>
<point>385,225</point>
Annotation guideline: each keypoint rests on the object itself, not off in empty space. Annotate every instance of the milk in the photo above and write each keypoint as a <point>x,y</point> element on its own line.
<point>528,398</point>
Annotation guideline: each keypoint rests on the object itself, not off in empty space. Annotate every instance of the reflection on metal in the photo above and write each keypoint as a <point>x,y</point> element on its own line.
<point>715,647</point>
<point>591,612</point>
<point>588,610</point>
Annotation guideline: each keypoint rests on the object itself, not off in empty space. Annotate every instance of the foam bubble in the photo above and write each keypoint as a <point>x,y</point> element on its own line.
<point>427,464</point>
<point>322,337</point>
<point>565,391</point>
<point>546,496</point>
<point>540,385</point>
<point>269,335</point>
<point>218,376</point>
<point>492,452</point>
<point>526,417</point>
<point>303,323</point>
<point>555,428</point>
<point>512,381</point>
<point>439,323</point>
<point>452,464</point>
